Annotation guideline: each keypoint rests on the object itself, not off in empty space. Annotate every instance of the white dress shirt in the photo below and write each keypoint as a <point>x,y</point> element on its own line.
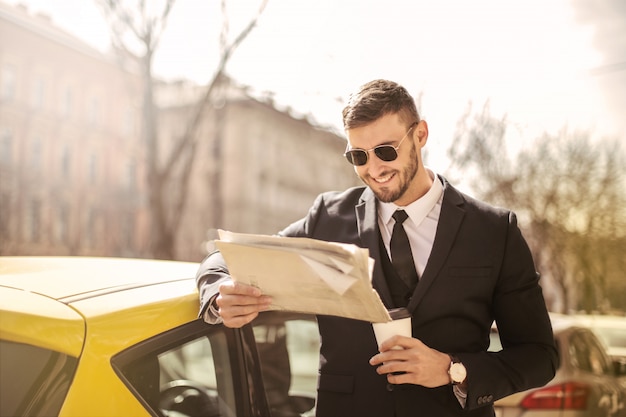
<point>420,227</point>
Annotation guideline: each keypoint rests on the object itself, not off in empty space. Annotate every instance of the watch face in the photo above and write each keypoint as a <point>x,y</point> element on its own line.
<point>458,372</point>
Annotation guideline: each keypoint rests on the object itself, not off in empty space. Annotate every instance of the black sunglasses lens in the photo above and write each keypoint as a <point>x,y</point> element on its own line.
<point>386,153</point>
<point>357,157</point>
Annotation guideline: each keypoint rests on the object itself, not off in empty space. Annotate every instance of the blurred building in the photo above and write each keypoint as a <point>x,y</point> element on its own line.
<point>72,168</point>
<point>259,167</point>
<point>70,162</point>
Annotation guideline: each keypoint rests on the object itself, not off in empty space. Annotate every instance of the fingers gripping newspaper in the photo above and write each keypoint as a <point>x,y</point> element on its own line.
<point>305,275</point>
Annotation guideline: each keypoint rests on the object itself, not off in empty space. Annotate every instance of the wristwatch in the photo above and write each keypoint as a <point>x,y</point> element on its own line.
<point>457,371</point>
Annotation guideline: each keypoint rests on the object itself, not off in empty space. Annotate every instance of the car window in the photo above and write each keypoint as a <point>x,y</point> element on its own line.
<point>288,348</point>
<point>189,371</point>
<point>34,381</point>
<point>587,354</point>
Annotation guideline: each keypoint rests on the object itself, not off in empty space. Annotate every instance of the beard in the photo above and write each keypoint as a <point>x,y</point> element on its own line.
<point>406,175</point>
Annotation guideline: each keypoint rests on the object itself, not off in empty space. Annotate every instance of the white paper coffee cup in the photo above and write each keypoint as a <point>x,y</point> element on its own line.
<point>400,325</point>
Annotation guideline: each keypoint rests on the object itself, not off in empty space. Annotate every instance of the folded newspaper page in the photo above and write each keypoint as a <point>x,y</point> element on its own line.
<point>305,275</point>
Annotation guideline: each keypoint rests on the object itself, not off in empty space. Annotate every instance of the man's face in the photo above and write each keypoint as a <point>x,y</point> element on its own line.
<point>390,181</point>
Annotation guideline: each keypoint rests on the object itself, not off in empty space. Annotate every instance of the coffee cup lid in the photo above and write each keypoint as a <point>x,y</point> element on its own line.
<point>399,313</point>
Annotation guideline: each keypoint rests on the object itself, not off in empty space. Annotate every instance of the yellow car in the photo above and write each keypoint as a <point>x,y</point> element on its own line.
<point>120,337</point>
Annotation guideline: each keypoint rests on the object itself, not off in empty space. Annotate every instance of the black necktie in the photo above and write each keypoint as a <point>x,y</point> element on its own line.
<point>401,256</point>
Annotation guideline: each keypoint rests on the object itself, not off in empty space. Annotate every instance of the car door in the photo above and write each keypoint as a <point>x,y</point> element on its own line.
<point>196,370</point>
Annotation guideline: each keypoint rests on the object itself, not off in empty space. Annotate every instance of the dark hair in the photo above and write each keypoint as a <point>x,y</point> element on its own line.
<point>376,99</point>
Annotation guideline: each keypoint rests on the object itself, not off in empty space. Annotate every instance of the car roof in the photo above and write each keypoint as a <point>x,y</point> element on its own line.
<point>610,321</point>
<point>62,278</point>
<point>559,322</point>
<point>562,322</point>
<point>61,303</point>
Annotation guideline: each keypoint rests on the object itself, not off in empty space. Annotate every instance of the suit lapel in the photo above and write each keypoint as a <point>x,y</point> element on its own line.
<point>450,220</point>
<point>367,225</point>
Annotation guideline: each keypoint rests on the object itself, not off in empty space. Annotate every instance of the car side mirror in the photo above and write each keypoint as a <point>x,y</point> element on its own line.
<point>619,367</point>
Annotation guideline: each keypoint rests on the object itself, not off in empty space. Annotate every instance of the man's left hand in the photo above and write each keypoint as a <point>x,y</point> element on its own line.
<point>406,360</point>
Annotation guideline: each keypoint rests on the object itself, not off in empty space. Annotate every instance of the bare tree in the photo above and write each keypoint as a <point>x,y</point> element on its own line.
<point>167,174</point>
<point>568,192</point>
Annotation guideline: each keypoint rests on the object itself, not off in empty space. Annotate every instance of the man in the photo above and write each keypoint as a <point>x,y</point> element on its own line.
<point>469,266</point>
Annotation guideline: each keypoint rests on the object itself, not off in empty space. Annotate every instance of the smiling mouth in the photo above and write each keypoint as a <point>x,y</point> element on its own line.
<point>383,179</point>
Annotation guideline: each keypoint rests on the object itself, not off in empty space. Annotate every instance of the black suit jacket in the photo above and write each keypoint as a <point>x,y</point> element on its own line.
<point>480,270</point>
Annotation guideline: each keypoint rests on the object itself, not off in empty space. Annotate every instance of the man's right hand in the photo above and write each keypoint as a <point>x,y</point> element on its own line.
<point>239,303</point>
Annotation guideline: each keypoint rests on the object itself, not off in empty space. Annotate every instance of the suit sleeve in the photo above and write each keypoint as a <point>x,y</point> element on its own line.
<point>529,357</point>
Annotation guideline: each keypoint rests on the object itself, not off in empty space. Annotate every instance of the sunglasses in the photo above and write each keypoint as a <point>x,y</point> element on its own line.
<point>387,153</point>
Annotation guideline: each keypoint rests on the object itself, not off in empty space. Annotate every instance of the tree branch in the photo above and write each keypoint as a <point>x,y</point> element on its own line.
<point>190,131</point>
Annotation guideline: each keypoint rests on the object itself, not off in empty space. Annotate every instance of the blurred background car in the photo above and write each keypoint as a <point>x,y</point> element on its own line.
<point>611,330</point>
<point>584,385</point>
<point>120,337</point>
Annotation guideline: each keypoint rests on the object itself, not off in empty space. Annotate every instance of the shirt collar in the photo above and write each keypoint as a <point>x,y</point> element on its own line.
<point>417,210</point>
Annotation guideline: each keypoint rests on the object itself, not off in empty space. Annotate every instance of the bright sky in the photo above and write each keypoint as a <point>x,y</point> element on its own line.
<point>530,59</point>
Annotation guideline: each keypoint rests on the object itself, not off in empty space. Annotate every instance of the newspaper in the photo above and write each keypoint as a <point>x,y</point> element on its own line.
<point>305,275</point>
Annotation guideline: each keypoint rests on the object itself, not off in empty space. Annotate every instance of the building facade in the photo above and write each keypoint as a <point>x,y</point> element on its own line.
<point>73,170</point>
<point>258,168</point>
<point>70,161</point>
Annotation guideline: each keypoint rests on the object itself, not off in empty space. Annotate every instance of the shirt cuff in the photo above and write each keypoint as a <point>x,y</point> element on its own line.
<point>212,313</point>
<point>461,394</point>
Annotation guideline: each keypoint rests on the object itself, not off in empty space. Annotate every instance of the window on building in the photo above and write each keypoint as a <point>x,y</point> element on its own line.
<point>93,110</point>
<point>5,214</point>
<point>36,157</point>
<point>93,168</point>
<point>131,176</point>
<point>39,94</point>
<point>33,221</point>
<point>66,159</point>
<point>61,225</point>
<point>90,227</point>
<point>8,83</point>
<point>128,124</point>
<point>128,231</point>
<point>67,101</point>
<point>6,146</point>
